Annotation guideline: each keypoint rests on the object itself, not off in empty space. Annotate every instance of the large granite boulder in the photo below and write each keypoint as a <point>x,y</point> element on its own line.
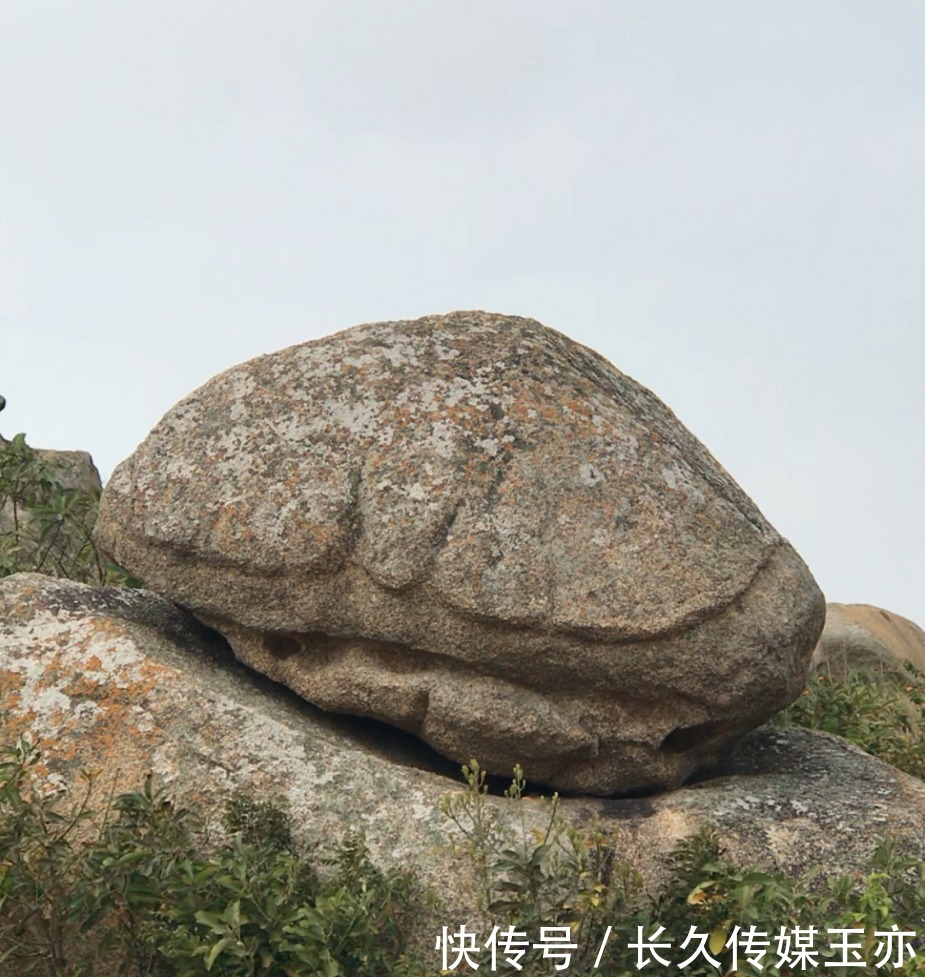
<point>863,636</point>
<point>123,683</point>
<point>470,527</point>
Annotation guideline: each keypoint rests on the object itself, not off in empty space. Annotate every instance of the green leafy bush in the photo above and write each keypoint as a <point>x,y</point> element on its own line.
<point>881,712</point>
<point>554,875</point>
<point>548,874</point>
<point>134,891</point>
<point>46,527</point>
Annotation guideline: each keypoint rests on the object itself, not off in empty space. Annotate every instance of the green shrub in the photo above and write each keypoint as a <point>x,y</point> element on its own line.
<point>135,890</point>
<point>546,875</point>
<point>46,527</point>
<point>132,891</point>
<point>41,905</point>
<point>881,712</point>
<point>555,875</point>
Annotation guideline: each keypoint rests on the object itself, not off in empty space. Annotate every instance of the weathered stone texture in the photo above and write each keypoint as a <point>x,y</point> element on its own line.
<point>123,683</point>
<point>477,530</point>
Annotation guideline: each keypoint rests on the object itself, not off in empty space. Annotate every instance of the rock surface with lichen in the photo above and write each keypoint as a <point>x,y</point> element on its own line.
<point>477,530</point>
<point>123,683</point>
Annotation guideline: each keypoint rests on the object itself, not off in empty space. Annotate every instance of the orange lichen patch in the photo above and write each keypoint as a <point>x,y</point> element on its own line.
<point>106,626</point>
<point>523,409</point>
<point>111,739</point>
<point>93,664</point>
<point>10,692</point>
<point>226,521</point>
<point>580,407</point>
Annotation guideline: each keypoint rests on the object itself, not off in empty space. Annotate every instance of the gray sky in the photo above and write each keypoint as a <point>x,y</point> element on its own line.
<point>726,199</point>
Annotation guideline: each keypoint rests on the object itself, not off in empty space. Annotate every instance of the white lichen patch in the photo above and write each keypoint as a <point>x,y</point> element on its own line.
<point>317,777</point>
<point>678,476</point>
<point>446,352</point>
<point>421,809</point>
<point>49,702</point>
<point>360,418</point>
<point>442,439</point>
<point>119,658</point>
<point>590,475</point>
<point>142,719</point>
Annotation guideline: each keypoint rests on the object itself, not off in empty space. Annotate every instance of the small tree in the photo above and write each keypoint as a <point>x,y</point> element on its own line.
<point>45,526</point>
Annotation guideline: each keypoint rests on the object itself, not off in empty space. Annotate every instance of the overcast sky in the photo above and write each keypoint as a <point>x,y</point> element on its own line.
<point>726,199</point>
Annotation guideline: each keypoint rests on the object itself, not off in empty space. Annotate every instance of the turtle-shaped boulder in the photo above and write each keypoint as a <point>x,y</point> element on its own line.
<point>473,528</point>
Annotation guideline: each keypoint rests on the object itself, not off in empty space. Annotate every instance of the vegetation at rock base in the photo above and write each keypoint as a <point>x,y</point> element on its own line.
<point>882,712</point>
<point>136,890</point>
<point>559,876</point>
<point>45,526</point>
<point>142,889</point>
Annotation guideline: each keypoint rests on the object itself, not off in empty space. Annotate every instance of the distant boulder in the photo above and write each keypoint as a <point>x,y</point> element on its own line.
<point>475,529</point>
<point>863,636</point>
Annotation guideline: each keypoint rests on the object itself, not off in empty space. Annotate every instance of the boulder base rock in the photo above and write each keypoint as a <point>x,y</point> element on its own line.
<point>863,636</point>
<point>124,683</point>
<point>472,528</point>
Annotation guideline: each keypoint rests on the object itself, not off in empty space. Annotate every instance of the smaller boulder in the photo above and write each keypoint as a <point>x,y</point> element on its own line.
<point>863,636</point>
